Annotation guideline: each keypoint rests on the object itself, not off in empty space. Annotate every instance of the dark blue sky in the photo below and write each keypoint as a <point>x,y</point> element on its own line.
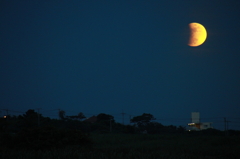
<point>111,56</point>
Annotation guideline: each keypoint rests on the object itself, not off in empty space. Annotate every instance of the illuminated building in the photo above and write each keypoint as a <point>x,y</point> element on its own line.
<point>196,125</point>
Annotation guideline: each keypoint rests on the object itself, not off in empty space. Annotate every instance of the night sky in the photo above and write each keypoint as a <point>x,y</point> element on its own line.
<point>114,56</point>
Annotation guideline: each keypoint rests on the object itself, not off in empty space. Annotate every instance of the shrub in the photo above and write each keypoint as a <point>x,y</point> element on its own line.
<point>47,138</point>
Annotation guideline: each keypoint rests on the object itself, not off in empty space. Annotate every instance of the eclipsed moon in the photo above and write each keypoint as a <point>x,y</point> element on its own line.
<point>198,34</point>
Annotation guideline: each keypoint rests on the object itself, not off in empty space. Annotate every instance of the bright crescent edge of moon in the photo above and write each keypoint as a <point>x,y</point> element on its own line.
<point>198,34</point>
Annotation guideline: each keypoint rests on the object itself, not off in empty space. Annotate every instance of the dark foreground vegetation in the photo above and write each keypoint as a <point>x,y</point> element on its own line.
<point>22,138</point>
<point>139,146</point>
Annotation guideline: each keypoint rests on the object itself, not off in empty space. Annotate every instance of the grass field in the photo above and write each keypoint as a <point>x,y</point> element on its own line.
<point>140,146</point>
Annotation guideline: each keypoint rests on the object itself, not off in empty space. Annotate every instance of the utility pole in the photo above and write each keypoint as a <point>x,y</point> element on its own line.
<point>59,113</point>
<point>123,117</point>
<point>226,126</point>
<point>110,125</point>
<point>130,117</point>
<point>7,112</point>
<point>38,116</point>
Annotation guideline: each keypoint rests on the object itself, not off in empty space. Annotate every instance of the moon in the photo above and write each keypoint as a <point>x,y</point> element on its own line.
<point>198,34</point>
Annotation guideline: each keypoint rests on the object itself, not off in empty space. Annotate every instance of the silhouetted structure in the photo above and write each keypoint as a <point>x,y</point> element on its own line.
<point>92,119</point>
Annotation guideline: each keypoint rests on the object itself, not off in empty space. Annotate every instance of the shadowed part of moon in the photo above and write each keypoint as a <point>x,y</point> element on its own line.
<point>198,34</point>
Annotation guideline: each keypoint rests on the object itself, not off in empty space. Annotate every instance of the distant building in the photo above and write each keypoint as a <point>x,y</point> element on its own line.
<point>196,125</point>
<point>92,119</point>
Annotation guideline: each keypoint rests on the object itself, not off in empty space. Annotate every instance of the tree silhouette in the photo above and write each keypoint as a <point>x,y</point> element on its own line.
<point>31,118</point>
<point>142,120</point>
<point>81,116</point>
<point>61,114</point>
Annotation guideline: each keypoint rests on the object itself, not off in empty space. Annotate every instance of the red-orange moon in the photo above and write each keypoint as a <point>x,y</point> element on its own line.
<point>198,34</point>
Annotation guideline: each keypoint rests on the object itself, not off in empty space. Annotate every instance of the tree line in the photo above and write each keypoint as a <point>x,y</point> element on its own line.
<point>102,123</point>
<point>32,130</point>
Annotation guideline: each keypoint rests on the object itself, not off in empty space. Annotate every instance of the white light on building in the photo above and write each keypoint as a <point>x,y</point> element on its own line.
<point>196,124</point>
